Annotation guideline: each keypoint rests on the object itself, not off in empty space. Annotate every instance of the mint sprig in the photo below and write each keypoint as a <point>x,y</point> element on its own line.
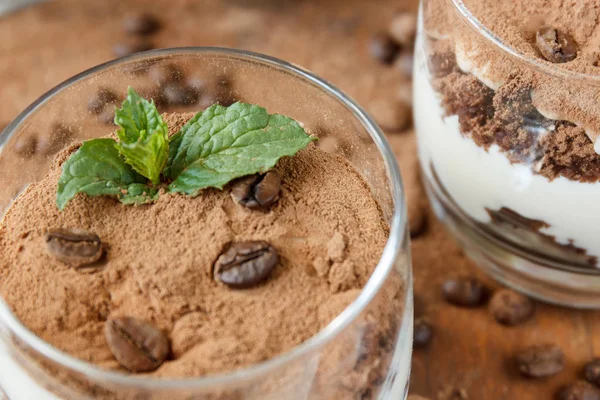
<point>97,169</point>
<point>224,143</point>
<point>144,137</point>
<point>216,146</point>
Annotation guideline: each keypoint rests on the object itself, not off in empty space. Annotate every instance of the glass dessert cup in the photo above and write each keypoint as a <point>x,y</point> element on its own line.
<point>490,149</point>
<point>349,358</point>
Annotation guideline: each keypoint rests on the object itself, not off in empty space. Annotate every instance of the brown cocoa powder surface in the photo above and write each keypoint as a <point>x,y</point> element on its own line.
<point>159,260</point>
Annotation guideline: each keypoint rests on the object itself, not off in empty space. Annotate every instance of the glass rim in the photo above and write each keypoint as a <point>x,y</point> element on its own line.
<point>382,270</point>
<point>553,70</point>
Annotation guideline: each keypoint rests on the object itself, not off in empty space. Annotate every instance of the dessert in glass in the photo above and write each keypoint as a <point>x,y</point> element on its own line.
<point>507,119</point>
<point>181,235</point>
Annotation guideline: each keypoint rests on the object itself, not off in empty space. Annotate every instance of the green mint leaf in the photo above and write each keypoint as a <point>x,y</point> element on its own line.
<point>143,137</point>
<point>224,143</point>
<point>97,169</point>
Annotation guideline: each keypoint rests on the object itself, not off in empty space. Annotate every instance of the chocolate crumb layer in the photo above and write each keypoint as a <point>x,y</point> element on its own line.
<point>158,266</point>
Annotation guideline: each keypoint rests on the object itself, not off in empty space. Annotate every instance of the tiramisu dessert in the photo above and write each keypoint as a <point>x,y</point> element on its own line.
<point>186,245</point>
<point>507,111</point>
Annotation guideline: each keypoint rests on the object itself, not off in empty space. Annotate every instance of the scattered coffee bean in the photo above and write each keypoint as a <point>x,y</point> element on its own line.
<point>592,371</point>
<point>176,94</point>
<point>580,390</point>
<point>74,247</point>
<point>403,29</point>
<point>540,361</point>
<point>244,264</point>
<point>556,46</point>
<point>162,73</point>
<point>128,47</point>
<point>423,332</point>
<point>391,115</point>
<point>466,292</point>
<point>383,48</point>
<point>257,191</point>
<point>102,97</point>
<point>140,23</point>
<point>26,145</point>
<point>510,307</point>
<point>404,63</point>
<point>137,345</point>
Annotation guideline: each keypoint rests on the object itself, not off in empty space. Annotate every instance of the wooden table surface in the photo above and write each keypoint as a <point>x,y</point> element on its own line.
<point>469,350</point>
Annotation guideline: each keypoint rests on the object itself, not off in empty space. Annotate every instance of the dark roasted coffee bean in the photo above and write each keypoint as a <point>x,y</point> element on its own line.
<point>128,47</point>
<point>257,191</point>
<point>510,307</point>
<point>245,264</point>
<point>140,23</point>
<point>580,390</point>
<point>73,246</point>
<point>556,46</point>
<point>383,48</point>
<point>176,94</point>
<point>136,344</point>
<point>26,145</point>
<point>162,73</point>
<point>592,371</point>
<point>98,102</point>
<point>423,332</point>
<point>465,292</point>
<point>540,361</point>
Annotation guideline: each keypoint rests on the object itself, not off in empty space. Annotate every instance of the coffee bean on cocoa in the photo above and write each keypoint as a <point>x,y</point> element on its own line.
<point>257,191</point>
<point>390,114</point>
<point>137,345</point>
<point>423,332</point>
<point>140,23</point>
<point>556,46</point>
<point>510,308</point>
<point>540,361</point>
<point>176,94</point>
<point>131,46</point>
<point>579,390</point>
<point>245,264</point>
<point>383,48</point>
<point>100,99</point>
<point>403,29</point>
<point>73,246</point>
<point>465,292</point>
<point>161,73</point>
<point>592,371</point>
<point>26,145</point>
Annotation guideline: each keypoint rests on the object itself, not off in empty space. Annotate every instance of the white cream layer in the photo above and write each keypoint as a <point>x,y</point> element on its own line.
<point>478,179</point>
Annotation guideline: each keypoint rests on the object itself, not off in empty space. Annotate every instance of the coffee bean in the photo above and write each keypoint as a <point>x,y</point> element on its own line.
<point>423,332</point>
<point>383,48</point>
<point>257,191</point>
<point>136,344</point>
<point>245,264</point>
<point>556,46</point>
<point>162,73</point>
<point>73,246</point>
<point>465,292</point>
<point>592,371</point>
<point>403,29</point>
<point>26,145</point>
<point>140,23</point>
<point>128,47</point>
<point>580,390</point>
<point>176,94</point>
<point>391,115</point>
<point>540,361</point>
<point>510,307</point>
<point>100,99</point>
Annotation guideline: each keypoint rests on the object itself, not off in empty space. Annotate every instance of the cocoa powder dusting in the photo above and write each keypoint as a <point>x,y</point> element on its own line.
<point>159,259</point>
